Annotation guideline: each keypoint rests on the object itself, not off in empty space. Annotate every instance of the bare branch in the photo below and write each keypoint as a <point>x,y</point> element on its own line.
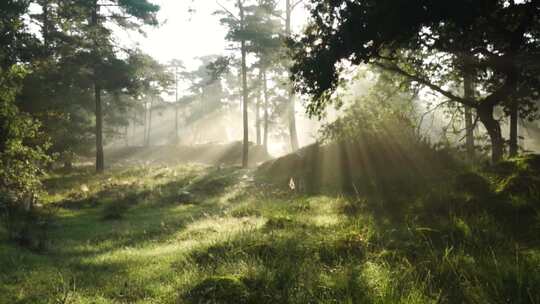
<point>427,83</point>
<point>296,4</point>
<point>227,11</point>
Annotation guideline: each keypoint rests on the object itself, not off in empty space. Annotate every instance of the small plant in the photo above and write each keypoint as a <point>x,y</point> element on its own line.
<point>245,211</point>
<point>279,222</point>
<point>218,290</point>
<point>352,207</point>
<point>115,210</point>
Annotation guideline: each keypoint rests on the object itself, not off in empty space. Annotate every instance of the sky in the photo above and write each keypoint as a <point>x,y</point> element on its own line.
<point>189,30</point>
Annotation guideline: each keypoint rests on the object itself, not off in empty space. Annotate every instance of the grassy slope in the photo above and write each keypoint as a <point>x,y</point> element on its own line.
<point>192,234</point>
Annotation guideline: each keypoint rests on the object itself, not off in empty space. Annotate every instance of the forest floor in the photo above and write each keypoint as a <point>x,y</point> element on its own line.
<point>202,234</point>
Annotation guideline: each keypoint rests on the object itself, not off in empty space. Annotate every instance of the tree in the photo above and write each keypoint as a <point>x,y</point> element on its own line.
<point>293,133</point>
<point>237,33</point>
<point>176,65</point>
<point>127,14</point>
<point>18,44</point>
<point>264,29</point>
<point>414,38</point>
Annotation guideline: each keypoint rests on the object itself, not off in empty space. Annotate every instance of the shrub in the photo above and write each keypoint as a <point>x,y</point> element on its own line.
<point>28,228</point>
<point>22,157</point>
<point>521,184</point>
<point>473,184</point>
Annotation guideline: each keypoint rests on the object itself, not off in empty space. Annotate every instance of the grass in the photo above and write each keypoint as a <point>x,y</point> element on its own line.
<point>196,234</point>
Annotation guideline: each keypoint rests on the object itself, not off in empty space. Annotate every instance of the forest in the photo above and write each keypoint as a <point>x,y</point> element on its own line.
<point>269,151</point>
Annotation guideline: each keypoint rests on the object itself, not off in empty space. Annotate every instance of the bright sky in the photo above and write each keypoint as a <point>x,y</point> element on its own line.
<point>186,34</point>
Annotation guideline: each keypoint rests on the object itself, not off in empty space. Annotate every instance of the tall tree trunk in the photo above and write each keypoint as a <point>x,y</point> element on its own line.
<point>45,28</point>
<point>100,161</point>
<point>149,122</point>
<point>245,147</point>
<point>514,116</point>
<point>126,134</point>
<point>145,123</point>
<point>345,166</point>
<point>258,113</point>
<point>468,86</point>
<point>291,109</point>
<point>265,94</point>
<point>176,105</point>
<point>493,127</point>
<point>292,123</point>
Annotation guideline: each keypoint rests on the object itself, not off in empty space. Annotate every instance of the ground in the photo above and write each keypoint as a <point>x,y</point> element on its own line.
<point>205,234</point>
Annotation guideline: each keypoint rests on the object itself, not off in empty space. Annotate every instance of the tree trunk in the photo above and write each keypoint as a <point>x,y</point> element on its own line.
<point>291,109</point>
<point>245,147</point>
<point>145,124</point>
<point>468,86</point>
<point>126,134</point>
<point>258,114</point>
<point>493,128</point>
<point>514,116</point>
<point>345,166</point>
<point>45,26</point>
<point>265,129</point>
<point>176,105</point>
<point>149,122</point>
<point>100,161</point>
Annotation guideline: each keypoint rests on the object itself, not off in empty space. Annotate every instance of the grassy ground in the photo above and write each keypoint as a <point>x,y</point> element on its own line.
<point>194,234</point>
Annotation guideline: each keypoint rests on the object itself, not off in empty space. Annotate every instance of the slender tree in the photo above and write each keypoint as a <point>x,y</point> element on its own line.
<point>117,11</point>
<point>291,113</point>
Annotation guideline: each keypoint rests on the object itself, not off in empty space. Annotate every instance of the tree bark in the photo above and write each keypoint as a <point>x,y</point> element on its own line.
<point>265,129</point>
<point>468,86</point>
<point>345,166</point>
<point>45,28</point>
<point>493,129</point>
<point>245,147</point>
<point>126,134</point>
<point>176,105</point>
<point>514,116</point>
<point>145,124</point>
<point>291,109</point>
<point>100,161</point>
<point>258,114</point>
<point>149,122</point>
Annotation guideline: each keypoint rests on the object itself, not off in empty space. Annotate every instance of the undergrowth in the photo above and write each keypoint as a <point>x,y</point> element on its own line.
<point>193,234</point>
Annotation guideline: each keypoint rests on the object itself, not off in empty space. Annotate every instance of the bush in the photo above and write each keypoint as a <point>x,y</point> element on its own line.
<point>22,157</point>
<point>28,228</point>
<point>473,184</point>
<point>521,184</point>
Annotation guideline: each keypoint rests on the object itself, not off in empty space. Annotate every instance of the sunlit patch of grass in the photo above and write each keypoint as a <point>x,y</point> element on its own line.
<point>236,242</point>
